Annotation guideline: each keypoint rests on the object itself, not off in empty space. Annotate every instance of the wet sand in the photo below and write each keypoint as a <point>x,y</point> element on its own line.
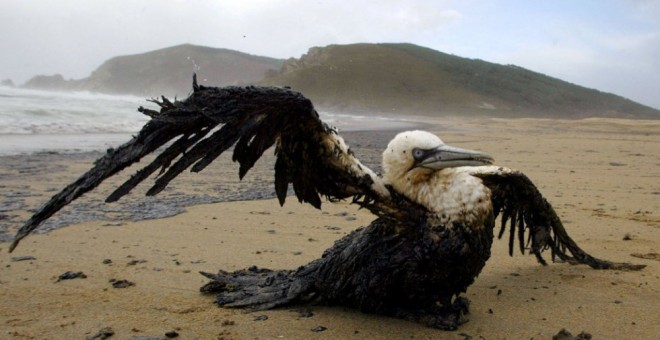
<point>601,175</point>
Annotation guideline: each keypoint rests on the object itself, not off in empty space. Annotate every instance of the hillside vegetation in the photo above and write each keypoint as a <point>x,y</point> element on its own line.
<point>360,78</point>
<point>409,79</point>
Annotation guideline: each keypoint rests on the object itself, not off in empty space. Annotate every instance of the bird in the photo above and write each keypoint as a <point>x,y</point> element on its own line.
<point>435,205</point>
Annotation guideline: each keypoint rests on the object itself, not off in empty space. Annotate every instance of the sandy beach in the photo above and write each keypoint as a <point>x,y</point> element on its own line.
<point>601,175</point>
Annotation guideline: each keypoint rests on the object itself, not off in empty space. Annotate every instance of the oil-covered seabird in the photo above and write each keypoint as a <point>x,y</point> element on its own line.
<point>435,204</point>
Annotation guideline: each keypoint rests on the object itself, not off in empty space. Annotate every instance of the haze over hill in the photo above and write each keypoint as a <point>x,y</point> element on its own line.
<point>362,78</point>
<point>166,71</point>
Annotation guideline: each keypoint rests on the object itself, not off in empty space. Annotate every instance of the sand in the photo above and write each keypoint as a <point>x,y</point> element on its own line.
<point>601,175</point>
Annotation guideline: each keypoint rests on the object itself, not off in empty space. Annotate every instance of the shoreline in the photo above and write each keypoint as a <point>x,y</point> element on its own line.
<point>71,142</point>
<point>600,176</point>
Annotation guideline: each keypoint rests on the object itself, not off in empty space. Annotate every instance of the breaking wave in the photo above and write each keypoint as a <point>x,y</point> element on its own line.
<point>25,111</point>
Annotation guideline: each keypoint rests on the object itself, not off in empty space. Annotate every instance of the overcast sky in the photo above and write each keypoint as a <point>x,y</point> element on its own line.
<point>613,46</point>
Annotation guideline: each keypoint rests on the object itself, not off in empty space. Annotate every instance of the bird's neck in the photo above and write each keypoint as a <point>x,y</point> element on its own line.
<point>452,191</point>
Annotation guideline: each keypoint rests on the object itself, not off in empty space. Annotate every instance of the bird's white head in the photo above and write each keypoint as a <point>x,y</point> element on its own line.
<point>413,155</point>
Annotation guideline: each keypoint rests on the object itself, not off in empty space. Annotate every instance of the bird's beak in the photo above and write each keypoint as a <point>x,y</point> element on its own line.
<point>446,156</point>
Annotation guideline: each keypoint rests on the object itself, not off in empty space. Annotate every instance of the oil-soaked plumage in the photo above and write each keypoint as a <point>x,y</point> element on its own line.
<point>435,204</point>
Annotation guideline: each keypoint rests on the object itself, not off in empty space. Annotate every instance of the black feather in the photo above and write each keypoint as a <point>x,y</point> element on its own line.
<point>517,195</point>
<point>209,122</point>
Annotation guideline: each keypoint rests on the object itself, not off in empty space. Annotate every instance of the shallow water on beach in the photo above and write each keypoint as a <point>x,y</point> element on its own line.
<point>27,180</point>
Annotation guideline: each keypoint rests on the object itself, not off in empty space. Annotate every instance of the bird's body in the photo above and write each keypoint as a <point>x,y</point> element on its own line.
<point>435,205</point>
<point>409,268</point>
<point>414,270</point>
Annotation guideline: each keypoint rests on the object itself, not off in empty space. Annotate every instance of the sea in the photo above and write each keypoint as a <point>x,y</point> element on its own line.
<point>45,121</point>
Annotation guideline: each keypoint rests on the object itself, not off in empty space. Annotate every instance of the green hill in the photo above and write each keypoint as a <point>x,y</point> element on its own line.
<point>409,79</point>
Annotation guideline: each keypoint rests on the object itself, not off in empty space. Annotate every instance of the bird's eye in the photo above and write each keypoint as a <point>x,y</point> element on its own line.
<point>418,153</point>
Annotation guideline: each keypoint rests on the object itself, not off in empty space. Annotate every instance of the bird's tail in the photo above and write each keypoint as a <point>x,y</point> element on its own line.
<point>259,288</point>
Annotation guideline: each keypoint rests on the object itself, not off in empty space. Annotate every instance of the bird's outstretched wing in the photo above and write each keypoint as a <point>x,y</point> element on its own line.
<point>526,211</point>
<point>195,131</point>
